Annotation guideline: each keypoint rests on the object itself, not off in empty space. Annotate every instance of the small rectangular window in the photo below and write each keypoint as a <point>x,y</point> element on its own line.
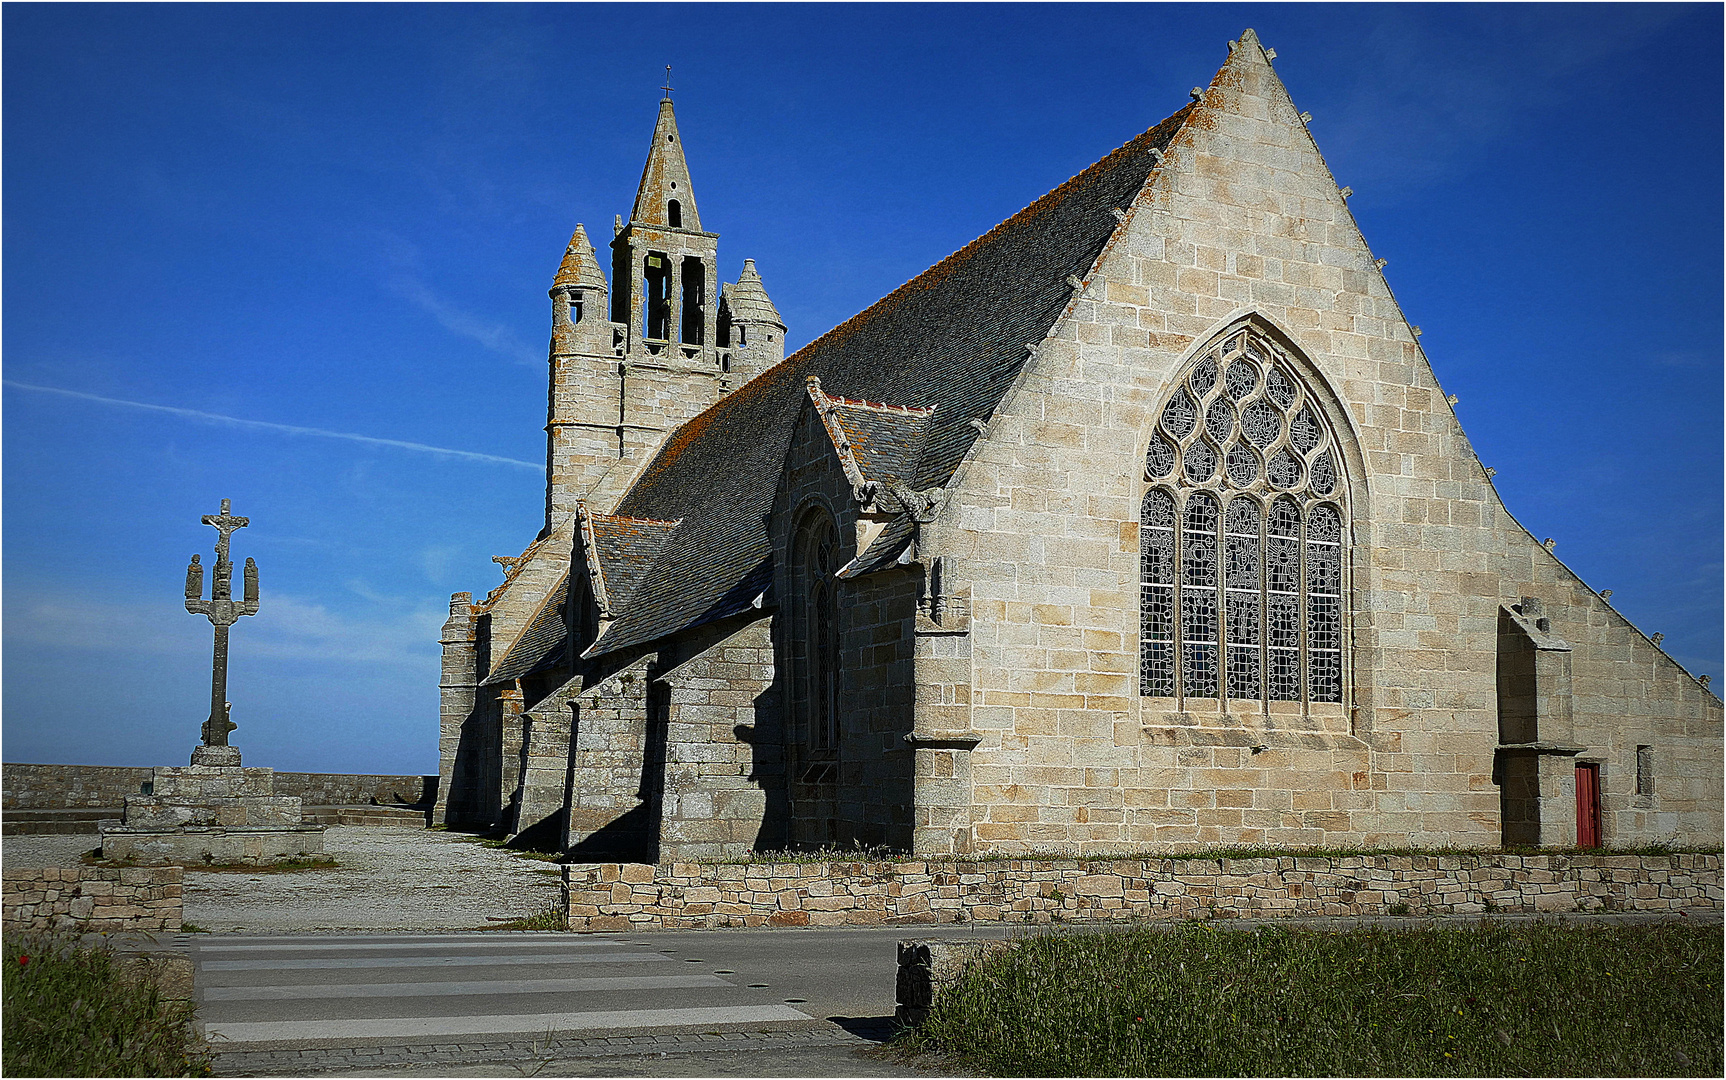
<point>1644,770</point>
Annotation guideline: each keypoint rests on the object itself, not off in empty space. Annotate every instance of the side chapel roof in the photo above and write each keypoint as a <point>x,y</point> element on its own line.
<point>953,337</point>
<point>623,550</point>
<point>540,646</point>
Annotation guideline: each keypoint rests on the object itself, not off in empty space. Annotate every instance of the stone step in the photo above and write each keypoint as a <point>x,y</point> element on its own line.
<point>405,817</point>
<point>59,822</point>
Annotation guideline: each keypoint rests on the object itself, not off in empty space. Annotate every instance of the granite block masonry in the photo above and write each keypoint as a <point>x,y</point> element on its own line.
<point>201,814</point>
<point>93,899</point>
<point>1141,523</point>
<point>687,896</point>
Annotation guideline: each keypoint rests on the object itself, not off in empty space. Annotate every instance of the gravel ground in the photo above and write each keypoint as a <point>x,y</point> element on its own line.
<point>384,879</point>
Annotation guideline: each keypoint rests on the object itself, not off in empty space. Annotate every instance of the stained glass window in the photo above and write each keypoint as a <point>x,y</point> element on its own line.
<point>1242,549</point>
<point>1199,595</point>
<point>1324,603</point>
<point>1244,575</point>
<point>1157,596</point>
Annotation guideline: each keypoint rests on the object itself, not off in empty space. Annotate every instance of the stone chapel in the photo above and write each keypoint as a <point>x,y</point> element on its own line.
<point>1140,523</point>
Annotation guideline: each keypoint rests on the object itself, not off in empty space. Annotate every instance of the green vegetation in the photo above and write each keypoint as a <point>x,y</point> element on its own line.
<point>287,866</point>
<point>71,1010</point>
<point>549,919</point>
<point>1489,999</point>
<point>855,853</point>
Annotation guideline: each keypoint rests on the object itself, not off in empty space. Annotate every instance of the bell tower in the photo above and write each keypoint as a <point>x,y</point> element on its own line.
<point>631,362</point>
<point>665,268</point>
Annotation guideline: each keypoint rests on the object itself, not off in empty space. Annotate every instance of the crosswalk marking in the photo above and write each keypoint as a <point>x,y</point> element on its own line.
<point>544,937</point>
<point>517,1024</point>
<point>431,961</point>
<point>526,943</point>
<point>256,991</point>
<point>459,989</point>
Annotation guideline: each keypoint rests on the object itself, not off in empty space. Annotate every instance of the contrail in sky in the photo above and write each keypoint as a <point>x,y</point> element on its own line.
<point>291,429</point>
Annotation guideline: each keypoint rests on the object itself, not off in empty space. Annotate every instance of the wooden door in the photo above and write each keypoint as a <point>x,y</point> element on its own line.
<point>1587,805</point>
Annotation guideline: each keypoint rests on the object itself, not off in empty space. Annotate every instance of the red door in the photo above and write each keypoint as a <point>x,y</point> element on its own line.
<point>1587,805</point>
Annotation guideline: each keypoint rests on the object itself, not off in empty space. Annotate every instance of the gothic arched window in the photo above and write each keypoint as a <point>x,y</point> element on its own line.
<point>1241,536</point>
<point>815,640</point>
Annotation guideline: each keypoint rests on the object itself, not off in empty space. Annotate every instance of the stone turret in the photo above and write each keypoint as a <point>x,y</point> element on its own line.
<point>578,295</point>
<point>750,326</point>
<point>581,424</point>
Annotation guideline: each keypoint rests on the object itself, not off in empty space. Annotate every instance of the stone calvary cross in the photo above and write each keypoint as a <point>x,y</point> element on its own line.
<point>223,611</point>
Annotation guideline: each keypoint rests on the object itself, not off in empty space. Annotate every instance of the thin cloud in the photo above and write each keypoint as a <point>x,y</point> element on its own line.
<point>494,336</point>
<point>291,429</point>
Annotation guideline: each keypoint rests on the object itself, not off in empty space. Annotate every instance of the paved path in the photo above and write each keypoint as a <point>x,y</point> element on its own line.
<point>385,879</point>
<point>795,1003</point>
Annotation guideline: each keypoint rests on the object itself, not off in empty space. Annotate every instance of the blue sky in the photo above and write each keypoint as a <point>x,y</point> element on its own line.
<point>331,219</point>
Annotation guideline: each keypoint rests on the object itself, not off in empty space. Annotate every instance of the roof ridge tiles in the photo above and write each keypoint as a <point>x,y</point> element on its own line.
<point>915,410</point>
<point>638,520</point>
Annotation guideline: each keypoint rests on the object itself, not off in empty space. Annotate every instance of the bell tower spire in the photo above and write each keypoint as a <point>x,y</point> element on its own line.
<point>664,269</point>
<point>665,198</point>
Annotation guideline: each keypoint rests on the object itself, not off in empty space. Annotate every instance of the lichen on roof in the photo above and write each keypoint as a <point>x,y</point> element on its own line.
<point>955,335</point>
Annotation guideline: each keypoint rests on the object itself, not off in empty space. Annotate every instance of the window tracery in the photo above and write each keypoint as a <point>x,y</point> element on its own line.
<point>1242,536</point>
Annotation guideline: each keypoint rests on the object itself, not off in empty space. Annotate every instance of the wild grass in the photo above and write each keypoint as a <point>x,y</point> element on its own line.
<point>72,1010</point>
<point>286,866</point>
<point>832,853</point>
<point>549,919</point>
<point>1483,1000</point>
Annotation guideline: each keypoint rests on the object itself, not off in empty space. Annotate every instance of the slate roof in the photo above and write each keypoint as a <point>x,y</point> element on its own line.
<point>954,337</point>
<point>886,441</point>
<point>626,547</point>
<point>540,646</point>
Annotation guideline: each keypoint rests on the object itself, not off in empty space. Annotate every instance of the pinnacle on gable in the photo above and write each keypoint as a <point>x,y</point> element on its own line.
<point>666,199</point>
<point>580,266</point>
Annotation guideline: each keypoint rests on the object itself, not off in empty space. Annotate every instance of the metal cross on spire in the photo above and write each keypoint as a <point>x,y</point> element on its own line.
<point>667,86</point>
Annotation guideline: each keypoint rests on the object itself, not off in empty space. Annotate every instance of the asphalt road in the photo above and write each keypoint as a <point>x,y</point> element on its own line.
<point>791,1002</point>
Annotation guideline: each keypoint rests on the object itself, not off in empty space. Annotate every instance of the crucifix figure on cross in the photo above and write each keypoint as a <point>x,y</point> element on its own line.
<point>223,611</point>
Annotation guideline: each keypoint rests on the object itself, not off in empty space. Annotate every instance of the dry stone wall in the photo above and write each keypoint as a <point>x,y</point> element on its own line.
<point>92,899</point>
<point>60,787</point>
<point>637,896</point>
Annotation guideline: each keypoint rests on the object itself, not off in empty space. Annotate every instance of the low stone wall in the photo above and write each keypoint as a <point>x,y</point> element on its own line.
<point>636,896</point>
<point>92,899</point>
<point>57,787</point>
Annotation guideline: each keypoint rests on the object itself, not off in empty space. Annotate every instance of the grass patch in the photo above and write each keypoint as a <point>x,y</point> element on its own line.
<point>855,853</point>
<point>549,919</point>
<point>70,1010</point>
<point>1482,1000</point>
<point>287,866</point>
<point>192,928</point>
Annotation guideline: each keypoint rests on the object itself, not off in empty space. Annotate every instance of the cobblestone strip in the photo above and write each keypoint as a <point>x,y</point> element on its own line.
<point>326,1059</point>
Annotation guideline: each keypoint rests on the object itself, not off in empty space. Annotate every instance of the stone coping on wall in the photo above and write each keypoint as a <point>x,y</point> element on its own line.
<point>32,786</point>
<point>618,896</point>
<point>93,899</point>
